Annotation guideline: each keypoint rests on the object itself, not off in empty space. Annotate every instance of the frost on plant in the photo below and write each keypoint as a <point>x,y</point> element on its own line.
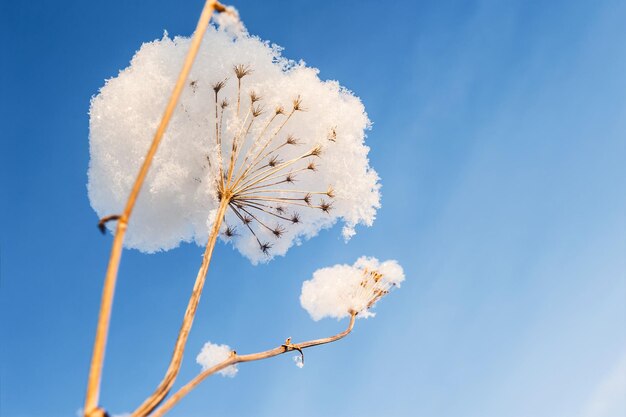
<point>285,148</point>
<point>337,290</point>
<point>212,354</point>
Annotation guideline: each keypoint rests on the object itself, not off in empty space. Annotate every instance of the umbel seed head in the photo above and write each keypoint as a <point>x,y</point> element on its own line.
<point>342,290</point>
<point>252,175</point>
<point>251,129</point>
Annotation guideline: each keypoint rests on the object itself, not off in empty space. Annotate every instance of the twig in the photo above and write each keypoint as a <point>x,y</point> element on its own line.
<point>235,358</point>
<point>95,372</point>
<point>179,348</point>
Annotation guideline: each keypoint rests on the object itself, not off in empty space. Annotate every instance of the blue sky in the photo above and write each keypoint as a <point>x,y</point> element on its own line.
<point>500,137</point>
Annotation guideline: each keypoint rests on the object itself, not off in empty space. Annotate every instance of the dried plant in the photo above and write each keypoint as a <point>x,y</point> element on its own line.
<point>255,172</point>
<point>265,163</point>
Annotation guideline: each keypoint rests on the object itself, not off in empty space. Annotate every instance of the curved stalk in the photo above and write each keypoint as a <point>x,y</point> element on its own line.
<point>234,359</point>
<point>166,383</point>
<point>95,371</point>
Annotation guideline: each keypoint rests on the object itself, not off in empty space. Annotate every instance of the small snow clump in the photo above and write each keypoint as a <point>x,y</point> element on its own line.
<point>339,290</point>
<point>212,354</point>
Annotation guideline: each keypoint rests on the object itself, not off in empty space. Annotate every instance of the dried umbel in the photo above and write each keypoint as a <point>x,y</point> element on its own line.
<point>342,290</point>
<point>284,148</point>
<point>257,150</point>
<point>259,169</point>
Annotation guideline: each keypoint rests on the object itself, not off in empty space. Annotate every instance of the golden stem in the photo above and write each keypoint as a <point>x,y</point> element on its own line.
<point>256,159</point>
<point>234,359</point>
<point>259,157</point>
<point>281,200</point>
<point>251,147</point>
<point>254,178</point>
<point>106,303</point>
<point>179,348</point>
<point>282,190</point>
<point>218,141</point>
<point>270,152</point>
<point>238,95</point>
<point>276,176</point>
<point>236,145</point>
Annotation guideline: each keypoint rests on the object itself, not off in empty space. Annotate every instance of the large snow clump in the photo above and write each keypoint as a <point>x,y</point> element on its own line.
<point>277,112</point>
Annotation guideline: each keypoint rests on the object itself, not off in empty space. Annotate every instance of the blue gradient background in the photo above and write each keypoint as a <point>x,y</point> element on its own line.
<point>500,136</point>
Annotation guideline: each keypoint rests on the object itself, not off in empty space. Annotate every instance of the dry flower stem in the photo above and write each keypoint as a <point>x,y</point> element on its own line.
<point>95,371</point>
<point>177,357</point>
<point>235,358</point>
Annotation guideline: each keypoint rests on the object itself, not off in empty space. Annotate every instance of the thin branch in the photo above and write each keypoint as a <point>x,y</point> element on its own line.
<point>234,359</point>
<point>254,178</point>
<point>255,160</point>
<point>179,348</point>
<point>284,175</point>
<point>245,223</point>
<point>251,148</point>
<point>264,208</point>
<point>284,201</point>
<point>95,371</point>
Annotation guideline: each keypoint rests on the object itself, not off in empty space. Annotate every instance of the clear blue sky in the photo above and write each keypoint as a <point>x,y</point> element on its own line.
<point>500,136</point>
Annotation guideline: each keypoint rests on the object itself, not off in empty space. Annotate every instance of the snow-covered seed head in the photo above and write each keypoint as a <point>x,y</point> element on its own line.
<point>341,290</point>
<point>252,130</point>
<point>253,175</point>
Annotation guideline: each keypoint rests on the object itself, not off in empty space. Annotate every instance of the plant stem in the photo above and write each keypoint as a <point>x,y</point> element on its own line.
<point>179,348</point>
<point>95,370</point>
<point>234,359</point>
